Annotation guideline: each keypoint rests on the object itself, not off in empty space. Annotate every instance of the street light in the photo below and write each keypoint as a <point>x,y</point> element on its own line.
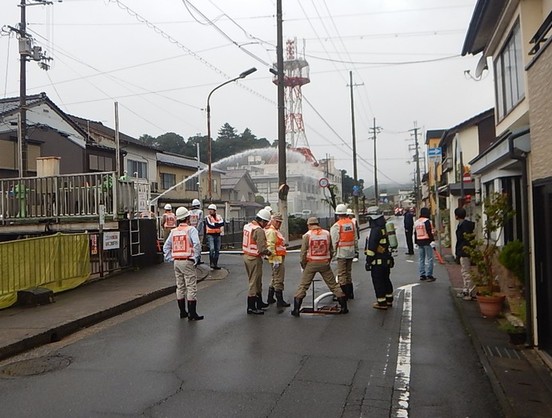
<point>242,75</point>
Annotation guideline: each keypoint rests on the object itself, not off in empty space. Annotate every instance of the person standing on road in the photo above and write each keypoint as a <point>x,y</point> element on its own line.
<point>409,229</point>
<point>213,228</point>
<point>276,244</point>
<point>379,261</point>
<point>168,221</point>
<point>345,246</point>
<point>254,249</point>
<point>183,248</point>
<point>196,220</point>
<point>316,253</point>
<point>463,230</point>
<point>426,243</point>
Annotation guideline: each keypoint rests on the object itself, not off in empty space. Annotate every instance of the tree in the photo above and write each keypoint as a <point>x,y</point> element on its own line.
<point>172,142</point>
<point>149,140</point>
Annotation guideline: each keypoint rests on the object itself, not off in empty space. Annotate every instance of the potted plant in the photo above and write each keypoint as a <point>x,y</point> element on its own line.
<point>483,252</point>
<point>512,258</point>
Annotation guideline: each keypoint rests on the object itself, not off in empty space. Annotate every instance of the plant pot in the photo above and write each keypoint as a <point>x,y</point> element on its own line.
<point>490,306</point>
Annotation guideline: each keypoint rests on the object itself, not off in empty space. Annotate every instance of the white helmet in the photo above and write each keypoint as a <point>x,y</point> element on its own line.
<point>212,206</point>
<point>182,213</point>
<point>264,215</point>
<point>196,202</point>
<point>350,211</point>
<point>268,208</point>
<point>341,209</point>
<point>168,206</point>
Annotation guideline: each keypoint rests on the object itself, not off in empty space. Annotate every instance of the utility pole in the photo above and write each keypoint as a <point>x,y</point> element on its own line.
<point>355,172</point>
<point>283,187</point>
<point>417,158</point>
<point>26,51</point>
<point>375,130</point>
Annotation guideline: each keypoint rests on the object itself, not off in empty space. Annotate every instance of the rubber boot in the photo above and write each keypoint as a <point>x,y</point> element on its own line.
<point>193,316</point>
<point>270,299</point>
<point>296,307</point>
<point>343,304</point>
<point>252,306</point>
<point>344,289</point>
<point>260,303</point>
<point>351,294</point>
<point>182,307</point>
<point>280,298</point>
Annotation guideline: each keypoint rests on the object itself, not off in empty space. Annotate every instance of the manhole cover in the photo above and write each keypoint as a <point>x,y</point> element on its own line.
<point>35,366</point>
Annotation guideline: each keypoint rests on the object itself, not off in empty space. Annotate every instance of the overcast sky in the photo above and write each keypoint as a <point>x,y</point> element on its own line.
<point>160,59</point>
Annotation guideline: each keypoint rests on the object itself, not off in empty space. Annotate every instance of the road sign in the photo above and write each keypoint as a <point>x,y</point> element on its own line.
<point>324,182</point>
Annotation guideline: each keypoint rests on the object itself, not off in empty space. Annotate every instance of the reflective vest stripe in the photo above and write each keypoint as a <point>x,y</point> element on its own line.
<point>280,242</point>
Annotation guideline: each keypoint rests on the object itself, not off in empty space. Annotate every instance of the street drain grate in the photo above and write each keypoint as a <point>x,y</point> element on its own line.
<point>35,366</point>
<point>503,352</point>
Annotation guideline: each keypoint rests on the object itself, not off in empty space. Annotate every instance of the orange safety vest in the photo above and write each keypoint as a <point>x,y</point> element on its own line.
<point>182,248</point>
<point>346,233</point>
<point>319,245</point>
<point>215,219</point>
<point>420,228</point>
<point>170,220</point>
<point>280,242</point>
<point>249,245</point>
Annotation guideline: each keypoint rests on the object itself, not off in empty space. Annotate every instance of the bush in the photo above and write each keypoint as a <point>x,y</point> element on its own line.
<point>512,257</point>
<point>297,226</point>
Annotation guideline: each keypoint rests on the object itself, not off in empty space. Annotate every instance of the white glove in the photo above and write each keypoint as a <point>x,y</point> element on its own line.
<point>276,265</point>
<point>432,244</point>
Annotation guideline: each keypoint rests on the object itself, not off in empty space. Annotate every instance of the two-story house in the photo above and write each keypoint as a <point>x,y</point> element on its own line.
<point>514,35</point>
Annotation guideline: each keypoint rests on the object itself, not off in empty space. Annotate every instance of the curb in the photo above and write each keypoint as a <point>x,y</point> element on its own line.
<point>505,405</point>
<point>58,332</point>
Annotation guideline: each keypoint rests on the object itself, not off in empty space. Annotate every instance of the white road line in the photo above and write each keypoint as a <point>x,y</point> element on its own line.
<point>401,387</point>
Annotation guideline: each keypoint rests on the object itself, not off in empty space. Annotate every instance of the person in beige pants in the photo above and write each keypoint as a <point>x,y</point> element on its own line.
<point>316,253</point>
<point>254,249</point>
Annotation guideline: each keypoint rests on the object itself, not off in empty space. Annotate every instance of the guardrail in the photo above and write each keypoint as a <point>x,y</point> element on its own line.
<point>65,196</point>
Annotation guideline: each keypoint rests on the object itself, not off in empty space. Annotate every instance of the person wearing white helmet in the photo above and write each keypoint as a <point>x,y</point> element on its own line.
<point>276,244</point>
<point>345,245</point>
<point>213,228</point>
<point>168,221</point>
<point>196,219</point>
<point>183,248</point>
<point>379,261</point>
<point>254,249</point>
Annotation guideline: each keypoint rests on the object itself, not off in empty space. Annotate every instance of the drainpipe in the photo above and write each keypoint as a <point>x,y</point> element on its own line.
<point>521,156</point>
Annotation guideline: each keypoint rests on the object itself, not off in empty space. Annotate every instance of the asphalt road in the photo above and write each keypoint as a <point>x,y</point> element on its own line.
<point>413,360</point>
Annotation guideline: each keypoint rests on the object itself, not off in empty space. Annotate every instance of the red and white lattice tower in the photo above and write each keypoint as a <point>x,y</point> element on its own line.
<point>296,75</point>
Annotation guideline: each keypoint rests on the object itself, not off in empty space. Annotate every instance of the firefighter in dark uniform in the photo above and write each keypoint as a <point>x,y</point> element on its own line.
<point>379,261</point>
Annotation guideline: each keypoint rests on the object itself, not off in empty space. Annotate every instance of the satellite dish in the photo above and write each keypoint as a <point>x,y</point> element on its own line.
<point>481,66</point>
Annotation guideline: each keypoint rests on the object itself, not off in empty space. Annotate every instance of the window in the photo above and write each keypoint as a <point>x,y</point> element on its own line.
<point>191,185</point>
<point>167,180</point>
<point>509,70</point>
<point>138,167</point>
<point>100,163</point>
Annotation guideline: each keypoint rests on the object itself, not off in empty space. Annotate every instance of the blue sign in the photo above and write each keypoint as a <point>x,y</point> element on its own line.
<point>434,152</point>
